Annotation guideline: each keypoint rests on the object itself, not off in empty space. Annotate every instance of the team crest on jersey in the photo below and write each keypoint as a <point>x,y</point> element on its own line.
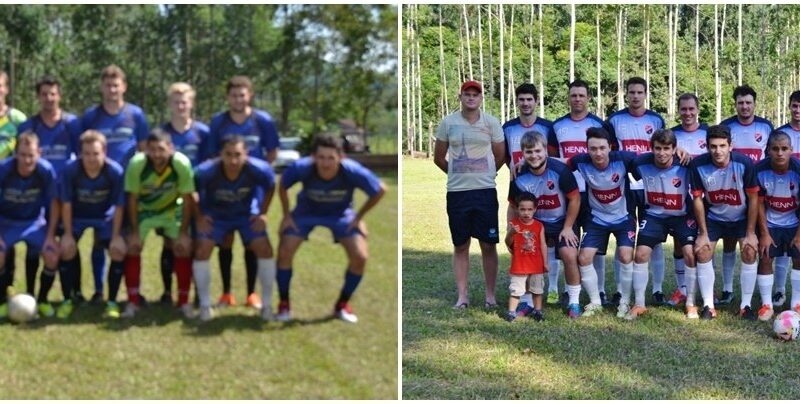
<point>691,223</point>
<point>615,177</point>
<point>631,235</point>
<point>648,129</point>
<point>758,137</point>
<point>676,182</point>
<point>550,184</point>
<point>701,144</point>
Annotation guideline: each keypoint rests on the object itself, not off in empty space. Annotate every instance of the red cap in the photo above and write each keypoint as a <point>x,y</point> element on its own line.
<point>472,84</point>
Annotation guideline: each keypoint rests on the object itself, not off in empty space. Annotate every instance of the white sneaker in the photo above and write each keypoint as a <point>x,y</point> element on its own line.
<point>345,313</point>
<point>130,310</point>
<point>206,313</point>
<point>622,310</point>
<point>266,314</point>
<point>188,311</point>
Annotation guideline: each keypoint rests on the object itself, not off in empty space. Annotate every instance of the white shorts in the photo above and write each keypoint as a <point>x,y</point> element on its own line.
<point>521,283</point>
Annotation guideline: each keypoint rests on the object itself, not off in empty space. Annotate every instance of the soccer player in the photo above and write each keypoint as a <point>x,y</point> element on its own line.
<point>159,183</point>
<point>476,147</point>
<point>188,137</point>
<point>27,186</point>
<point>234,194</point>
<point>748,136</point>
<point>261,137</point>
<point>124,126</point>
<point>566,139</point>
<point>722,179</point>
<point>607,189</point>
<point>92,196</point>
<point>792,128</point>
<point>329,180</point>
<point>553,185</point>
<point>667,212</point>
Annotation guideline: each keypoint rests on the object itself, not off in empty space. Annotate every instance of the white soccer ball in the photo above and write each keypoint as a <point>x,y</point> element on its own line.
<point>21,308</point>
<point>787,325</point>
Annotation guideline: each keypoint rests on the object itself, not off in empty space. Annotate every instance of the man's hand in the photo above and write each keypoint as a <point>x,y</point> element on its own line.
<point>183,245</point>
<point>117,246</point>
<point>68,246</point>
<point>683,156</point>
<point>357,224</point>
<point>288,223</point>
<point>257,223</point>
<point>764,244</point>
<point>750,240</point>
<point>205,224</point>
<point>569,236</point>
<point>135,242</point>
<point>701,242</point>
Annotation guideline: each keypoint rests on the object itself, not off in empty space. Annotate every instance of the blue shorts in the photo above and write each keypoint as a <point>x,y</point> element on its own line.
<point>102,228</point>
<point>222,227</point>
<point>718,230</point>
<point>553,230</point>
<point>596,235</point>
<point>654,230</point>
<point>32,232</point>
<point>473,213</point>
<point>782,237</point>
<point>337,224</point>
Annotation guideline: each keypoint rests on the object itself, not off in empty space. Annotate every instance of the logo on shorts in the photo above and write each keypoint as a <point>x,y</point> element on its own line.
<point>701,144</point>
<point>648,129</point>
<point>690,223</point>
<point>676,182</point>
<point>550,184</point>
<point>492,232</point>
<point>631,235</point>
<point>615,177</point>
<point>758,137</point>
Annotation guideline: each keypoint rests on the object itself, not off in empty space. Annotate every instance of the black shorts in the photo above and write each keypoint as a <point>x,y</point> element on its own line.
<point>473,213</point>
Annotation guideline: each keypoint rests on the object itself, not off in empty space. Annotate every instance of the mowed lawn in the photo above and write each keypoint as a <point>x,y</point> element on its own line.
<point>475,354</point>
<point>159,355</point>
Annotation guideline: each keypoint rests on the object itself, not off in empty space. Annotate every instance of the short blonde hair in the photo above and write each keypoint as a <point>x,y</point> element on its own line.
<point>93,136</point>
<point>181,88</point>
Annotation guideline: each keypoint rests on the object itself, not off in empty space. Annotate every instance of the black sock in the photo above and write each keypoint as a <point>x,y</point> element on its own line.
<point>66,271</point>
<point>76,275</point>
<point>4,283</point>
<point>225,256</point>
<point>166,269</point>
<point>31,268</point>
<point>45,283</point>
<point>115,272</point>
<point>251,265</point>
<point>11,265</point>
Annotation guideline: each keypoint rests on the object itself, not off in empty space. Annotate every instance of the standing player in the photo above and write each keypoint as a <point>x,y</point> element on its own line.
<point>720,179</point>
<point>188,137</point>
<point>667,212</point>
<point>27,187</point>
<point>261,138</point>
<point>160,186</point>
<point>124,126</point>
<point>607,189</point>
<point>566,139</point>
<point>234,195</point>
<point>326,200</point>
<point>92,197</point>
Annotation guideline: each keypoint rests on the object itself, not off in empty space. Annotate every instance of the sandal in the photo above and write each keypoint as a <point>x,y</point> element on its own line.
<point>461,306</point>
<point>487,305</point>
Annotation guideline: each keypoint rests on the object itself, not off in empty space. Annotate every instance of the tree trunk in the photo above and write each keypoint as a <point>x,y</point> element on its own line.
<point>646,39</point>
<point>419,84</point>
<point>462,71</point>
<point>469,48</point>
<point>541,64</point>
<point>620,101</point>
<point>717,84</point>
<point>572,43</point>
<point>501,23</point>
<point>480,46</point>
<point>409,75</point>
<point>486,100</point>
<point>599,96</point>
<point>530,44</point>
<point>696,47</point>
<point>739,70</point>
<point>512,99</point>
<point>443,77</point>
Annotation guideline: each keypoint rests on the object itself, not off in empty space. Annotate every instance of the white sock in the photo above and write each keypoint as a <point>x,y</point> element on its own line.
<point>640,275</point>
<point>589,283</point>
<point>617,273</point>
<point>781,272</point>
<point>747,280</point>
<point>691,285</point>
<point>527,298</point>
<point>705,282</point>
<point>599,262</point>
<point>728,264</point>
<point>266,276</point>
<point>657,264</point>
<point>680,274</point>
<point>626,281</point>
<point>574,292</point>
<point>765,289</point>
<point>553,270</point>
<point>201,270</point>
<point>795,276</point>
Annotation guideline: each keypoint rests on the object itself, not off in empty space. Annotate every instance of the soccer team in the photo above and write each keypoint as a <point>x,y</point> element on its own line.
<point>194,185</point>
<point>631,177</point>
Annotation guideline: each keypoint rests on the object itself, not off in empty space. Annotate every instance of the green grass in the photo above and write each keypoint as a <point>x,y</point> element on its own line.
<point>159,355</point>
<point>475,354</point>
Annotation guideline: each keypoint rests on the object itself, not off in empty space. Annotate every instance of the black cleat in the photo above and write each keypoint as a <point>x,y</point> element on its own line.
<point>538,316</point>
<point>77,298</point>
<point>97,299</point>
<point>708,313</point>
<point>615,298</point>
<point>747,313</point>
<point>658,298</point>
<point>166,299</point>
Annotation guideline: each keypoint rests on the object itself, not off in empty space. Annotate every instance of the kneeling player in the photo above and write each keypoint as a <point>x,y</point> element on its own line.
<point>329,180</point>
<point>234,194</point>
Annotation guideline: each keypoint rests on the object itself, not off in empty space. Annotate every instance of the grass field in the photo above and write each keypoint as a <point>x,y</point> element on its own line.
<point>158,355</point>
<point>475,354</point>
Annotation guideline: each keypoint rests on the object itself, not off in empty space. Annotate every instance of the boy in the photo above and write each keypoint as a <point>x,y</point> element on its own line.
<point>525,241</point>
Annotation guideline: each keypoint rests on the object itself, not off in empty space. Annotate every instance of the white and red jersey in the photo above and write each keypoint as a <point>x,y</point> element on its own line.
<point>779,192</point>
<point>567,138</point>
<point>513,131</point>
<point>551,190</point>
<point>666,189</point>
<point>633,133</point>
<point>795,136</point>
<point>751,139</point>
<point>694,142</point>
<point>606,189</point>
<point>724,188</point>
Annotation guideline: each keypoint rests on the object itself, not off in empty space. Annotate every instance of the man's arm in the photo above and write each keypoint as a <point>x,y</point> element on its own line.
<point>499,151</point>
<point>700,216</point>
<point>272,155</point>
<point>370,203</point>
<point>440,154</point>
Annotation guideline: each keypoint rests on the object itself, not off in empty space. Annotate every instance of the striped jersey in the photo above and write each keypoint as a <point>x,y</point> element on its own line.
<point>723,188</point>
<point>779,192</point>
<point>750,140</point>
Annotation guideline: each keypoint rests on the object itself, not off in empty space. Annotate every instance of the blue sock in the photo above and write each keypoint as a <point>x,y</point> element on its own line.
<point>284,277</point>
<point>351,282</point>
<point>98,268</point>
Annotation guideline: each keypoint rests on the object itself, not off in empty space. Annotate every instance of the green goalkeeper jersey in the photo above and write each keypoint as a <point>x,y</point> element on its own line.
<point>8,131</point>
<point>159,194</point>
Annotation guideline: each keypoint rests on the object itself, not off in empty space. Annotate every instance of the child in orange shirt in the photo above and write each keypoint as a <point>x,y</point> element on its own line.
<point>526,242</point>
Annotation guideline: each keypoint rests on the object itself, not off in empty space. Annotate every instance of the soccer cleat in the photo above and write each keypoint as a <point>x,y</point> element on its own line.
<point>538,315</point>
<point>658,298</point>
<point>677,298</point>
<point>284,311</point>
<point>130,310</point>
<point>725,298</point>
<point>112,310</point>
<point>603,301</point>
<point>187,310</point>
<point>795,308</point>
<point>591,309</point>
<point>97,299</point>
<point>552,297</point>
<point>523,309</point>
<point>266,314</point>
<point>511,316</point>
<point>166,299</point>
<point>46,309</point>
<point>622,310</point>
<point>747,313</point>
<point>226,300</point>
<point>344,312</point>
<point>635,312</point>
<point>778,299</point>
<point>254,301</point>
<point>615,299</point>
<point>77,298</point>
<point>691,313</point>
<point>65,309</point>
<point>765,313</point>
<point>708,313</point>
<point>3,311</point>
<point>574,310</point>
<point>206,313</point>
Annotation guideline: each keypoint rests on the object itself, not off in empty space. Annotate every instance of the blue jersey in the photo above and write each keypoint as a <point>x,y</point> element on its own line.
<point>666,189</point>
<point>606,189</point>
<point>332,197</point>
<point>123,131</point>
<point>751,139</point>
<point>59,142</point>
<point>226,199</point>
<point>191,142</point>
<point>258,130</point>
<point>93,198</point>
<point>779,192</point>
<point>794,135</point>
<point>633,133</point>
<point>513,131</point>
<point>25,198</point>
<point>724,188</point>
<point>551,189</point>
<point>694,142</point>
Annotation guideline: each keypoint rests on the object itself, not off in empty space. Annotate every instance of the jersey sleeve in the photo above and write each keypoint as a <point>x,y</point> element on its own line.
<point>64,184</point>
<point>513,192</point>
<point>74,131</point>
<point>291,174</point>
<point>695,180</point>
<point>50,187</point>
<point>441,131</point>
<point>363,178</point>
<point>142,129</point>
<point>750,181</point>
<point>497,131</point>
<point>269,133</point>
<point>552,142</point>
<point>184,169</point>
<point>133,172</point>
<point>567,182</point>
<point>201,185</point>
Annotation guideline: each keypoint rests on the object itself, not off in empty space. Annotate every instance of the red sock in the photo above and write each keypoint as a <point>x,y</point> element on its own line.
<point>183,271</point>
<point>133,267</point>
